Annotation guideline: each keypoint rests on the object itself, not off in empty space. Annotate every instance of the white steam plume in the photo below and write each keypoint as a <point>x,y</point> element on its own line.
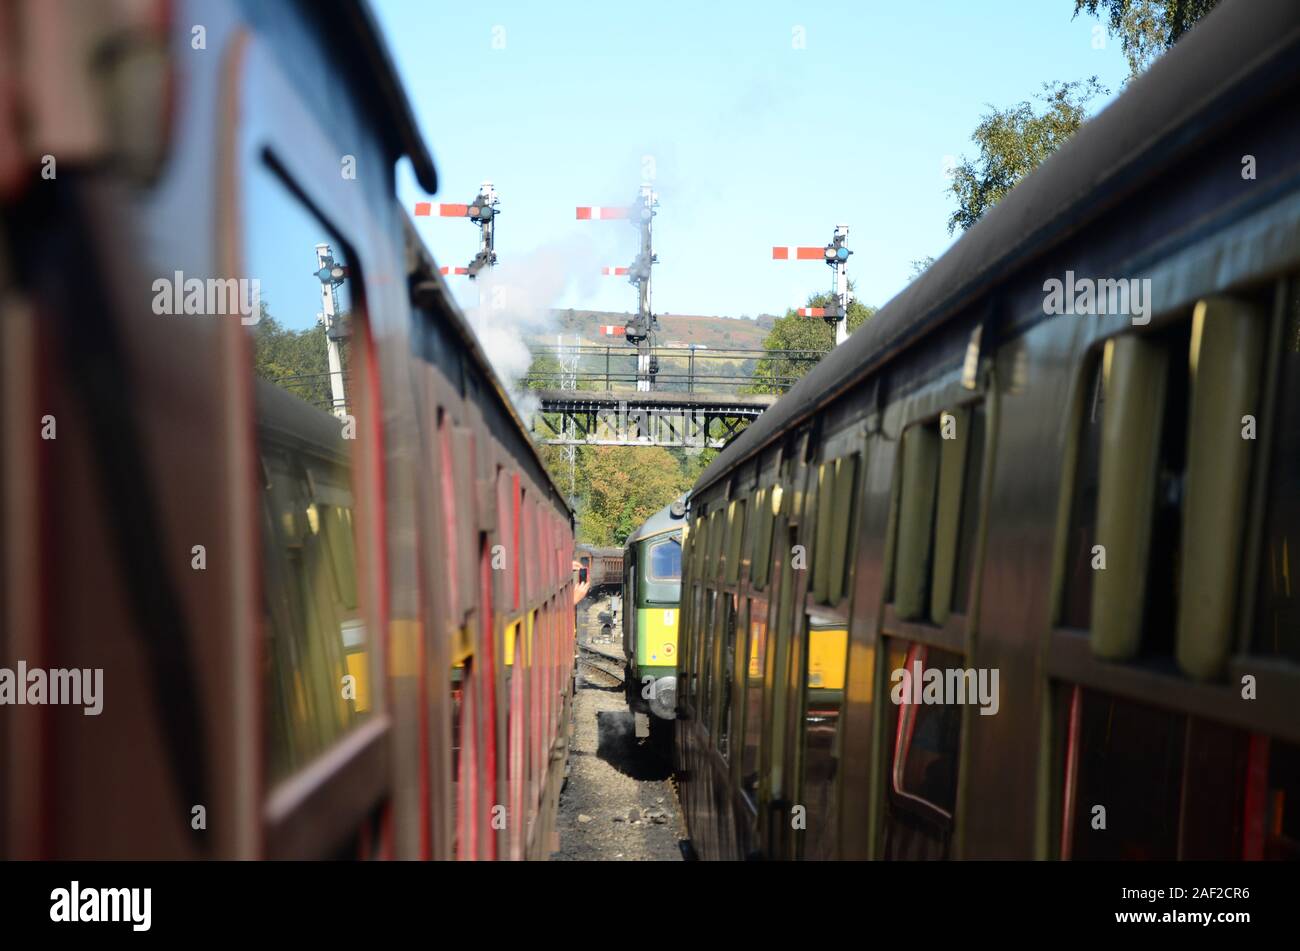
<point>516,301</point>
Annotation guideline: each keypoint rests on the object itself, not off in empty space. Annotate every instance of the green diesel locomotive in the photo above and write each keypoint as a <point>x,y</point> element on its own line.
<point>652,590</point>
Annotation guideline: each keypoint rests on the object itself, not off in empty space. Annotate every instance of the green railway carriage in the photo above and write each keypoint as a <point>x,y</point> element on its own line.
<point>652,583</point>
<point>997,580</point>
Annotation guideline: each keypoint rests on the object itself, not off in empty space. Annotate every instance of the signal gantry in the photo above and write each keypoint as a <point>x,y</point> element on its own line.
<point>836,255</point>
<point>640,330</point>
<point>483,211</point>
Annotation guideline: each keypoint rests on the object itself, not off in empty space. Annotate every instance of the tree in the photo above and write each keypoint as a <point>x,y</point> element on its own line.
<point>776,373</point>
<point>920,266</point>
<point>1012,142</point>
<point>296,360</point>
<point>543,373</point>
<point>621,487</point>
<point>694,464</point>
<point>1146,28</point>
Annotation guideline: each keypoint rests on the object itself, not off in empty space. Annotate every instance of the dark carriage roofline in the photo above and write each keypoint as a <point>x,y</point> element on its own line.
<point>380,75</point>
<point>1223,67</point>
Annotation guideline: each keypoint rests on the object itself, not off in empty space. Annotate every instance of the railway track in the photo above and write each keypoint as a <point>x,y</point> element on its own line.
<point>598,668</point>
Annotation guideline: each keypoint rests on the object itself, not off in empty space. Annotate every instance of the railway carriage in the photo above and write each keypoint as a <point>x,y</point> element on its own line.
<point>1074,526</point>
<point>604,566</point>
<point>332,622</point>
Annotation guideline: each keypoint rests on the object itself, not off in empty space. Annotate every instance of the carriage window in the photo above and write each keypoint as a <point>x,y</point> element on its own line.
<point>666,560</point>
<point>1277,618</point>
<point>918,472</point>
<point>696,553</point>
<point>970,512</point>
<point>724,620</point>
<point>299,313</point>
<point>923,761</point>
<point>937,515</point>
<point>1172,500</point>
<point>717,528</point>
<point>1129,764</point>
<point>753,701</point>
<point>1076,602</point>
<point>827,658</point>
<point>705,666</point>
<point>735,532</point>
<point>728,677</point>
<point>821,549</point>
<point>1144,783</point>
<point>1273,829</point>
<point>688,649</point>
<point>846,489</point>
<point>298,298</point>
<point>834,524</point>
<point>1140,495</point>
<point>762,545</point>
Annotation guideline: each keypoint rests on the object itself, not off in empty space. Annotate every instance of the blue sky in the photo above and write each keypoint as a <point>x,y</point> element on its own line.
<point>753,142</point>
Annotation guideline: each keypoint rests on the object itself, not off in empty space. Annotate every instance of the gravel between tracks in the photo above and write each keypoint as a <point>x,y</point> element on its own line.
<point>618,803</point>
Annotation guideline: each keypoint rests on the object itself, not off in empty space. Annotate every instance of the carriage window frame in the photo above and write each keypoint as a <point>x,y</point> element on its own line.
<point>735,536</point>
<point>917,815</point>
<point>760,564</point>
<point>324,783</point>
<point>1154,624</point>
<point>713,558</point>
<point>834,527</point>
<point>967,511</point>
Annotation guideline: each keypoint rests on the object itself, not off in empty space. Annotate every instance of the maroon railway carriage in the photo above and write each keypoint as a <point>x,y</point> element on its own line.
<point>333,611</point>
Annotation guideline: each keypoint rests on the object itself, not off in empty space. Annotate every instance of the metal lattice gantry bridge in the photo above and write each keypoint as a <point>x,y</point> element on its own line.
<point>591,398</point>
<point>640,418</point>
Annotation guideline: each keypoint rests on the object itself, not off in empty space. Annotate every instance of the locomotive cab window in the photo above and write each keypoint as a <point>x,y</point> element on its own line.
<point>666,560</point>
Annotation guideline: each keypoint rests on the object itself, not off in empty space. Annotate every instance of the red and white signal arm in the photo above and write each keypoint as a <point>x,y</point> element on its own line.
<point>423,209</point>
<point>801,253</point>
<point>612,330</point>
<point>597,213</point>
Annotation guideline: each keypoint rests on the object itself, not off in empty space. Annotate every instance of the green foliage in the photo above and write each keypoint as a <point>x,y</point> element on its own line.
<point>1146,28</point>
<point>775,374</point>
<point>694,464</point>
<point>1012,143</point>
<point>620,487</point>
<point>297,360</point>
<point>920,266</point>
<point>543,373</point>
